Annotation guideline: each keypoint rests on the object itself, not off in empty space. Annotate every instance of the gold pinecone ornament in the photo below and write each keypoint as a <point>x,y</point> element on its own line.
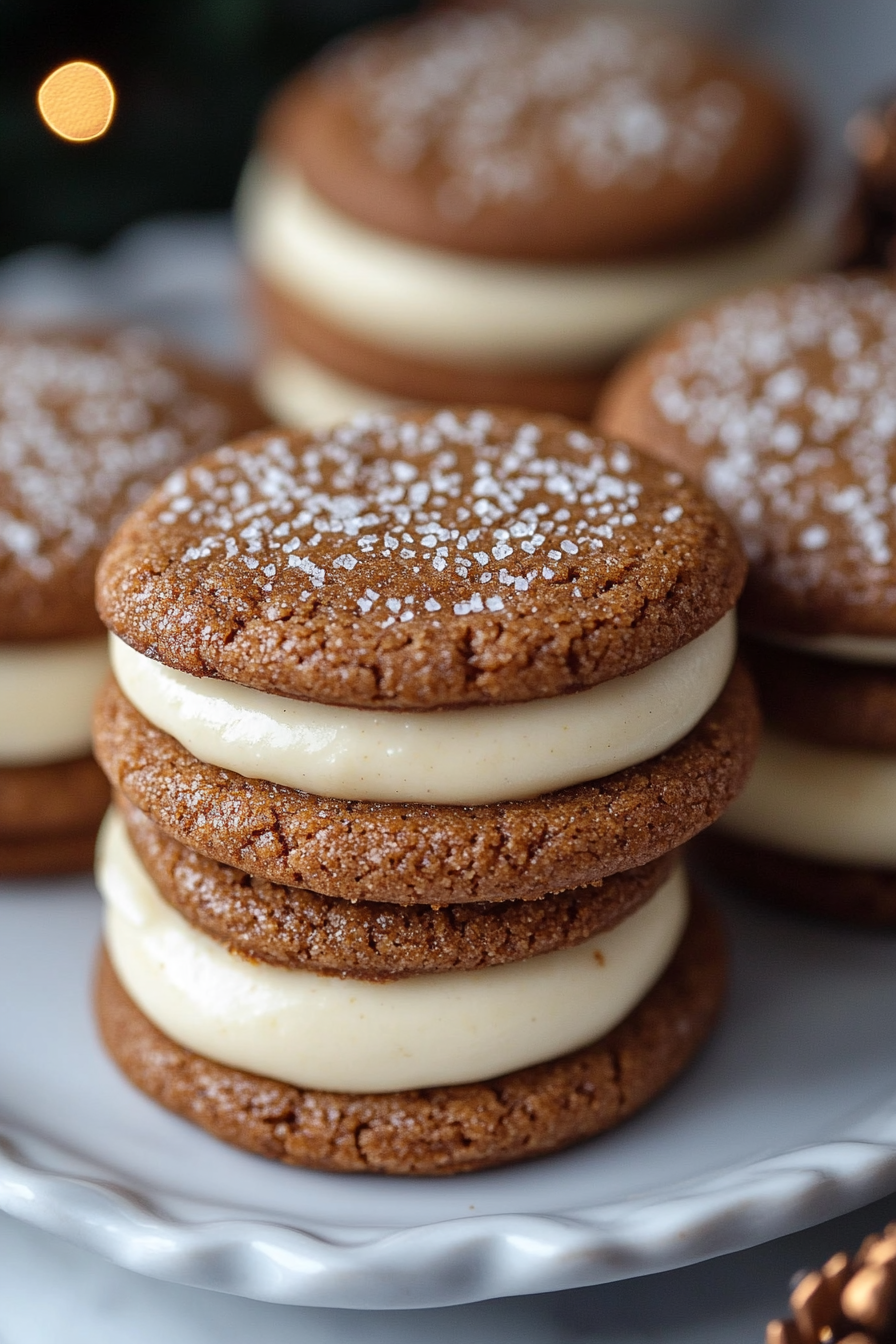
<point>847,1301</point>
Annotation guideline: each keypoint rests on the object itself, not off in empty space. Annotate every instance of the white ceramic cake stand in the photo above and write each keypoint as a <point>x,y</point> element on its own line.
<point>788,1118</point>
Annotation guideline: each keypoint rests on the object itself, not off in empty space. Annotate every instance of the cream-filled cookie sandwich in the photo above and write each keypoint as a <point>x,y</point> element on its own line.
<point>407,720</point>
<point>782,402</point>
<point>88,424</point>
<point>493,207</point>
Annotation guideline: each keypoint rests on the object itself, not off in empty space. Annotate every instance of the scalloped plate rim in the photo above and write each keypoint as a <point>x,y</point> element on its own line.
<point>457,1260</point>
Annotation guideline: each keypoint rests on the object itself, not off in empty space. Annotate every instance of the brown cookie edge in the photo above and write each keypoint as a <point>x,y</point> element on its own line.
<point>835,703</point>
<point>865,897</point>
<point>49,855</point>
<point>292,326</point>
<point>59,797</point>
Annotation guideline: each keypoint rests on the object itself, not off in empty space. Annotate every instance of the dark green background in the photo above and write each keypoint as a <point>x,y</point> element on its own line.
<point>192,76</point>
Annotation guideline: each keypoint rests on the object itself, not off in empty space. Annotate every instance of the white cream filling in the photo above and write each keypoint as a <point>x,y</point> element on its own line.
<point>824,803</point>
<point>484,754</point>
<point>357,1036</point>
<point>879,651</point>
<point>425,302</point>
<point>299,392</point>
<point>47,692</point>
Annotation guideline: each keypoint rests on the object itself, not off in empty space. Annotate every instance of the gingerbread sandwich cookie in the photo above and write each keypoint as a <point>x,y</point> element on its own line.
<point>88,424</point>
<point>781,402</point>
<point>406,720</point>
<point>492,207</point>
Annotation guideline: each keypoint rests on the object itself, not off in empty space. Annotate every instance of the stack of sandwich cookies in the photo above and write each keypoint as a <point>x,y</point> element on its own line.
<point>783,402</point>
<point>87,425</point>
<point>407,722</point>
<point>493,207</point>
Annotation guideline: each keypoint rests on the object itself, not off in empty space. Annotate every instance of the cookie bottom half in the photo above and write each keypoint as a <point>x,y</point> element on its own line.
<point>442,1130</point>
<point>845,892</point>
<point>47,855</point>
<point>49,817</point>
<point>831,702</point>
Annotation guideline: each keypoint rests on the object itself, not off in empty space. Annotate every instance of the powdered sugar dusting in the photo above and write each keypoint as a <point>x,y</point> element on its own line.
<point>502,103</point>
<point>85,428</point>
<point>792,396</point>
<point>453,515</point>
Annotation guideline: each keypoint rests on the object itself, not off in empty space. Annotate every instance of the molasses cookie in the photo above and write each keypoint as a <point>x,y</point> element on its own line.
<point>782,402</point>
<point>406,719</point>
<point>88,423</point>
<point>494,206</point>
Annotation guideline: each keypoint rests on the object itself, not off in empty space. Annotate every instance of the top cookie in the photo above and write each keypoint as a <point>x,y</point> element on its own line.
<point>88,423</point>
<point>578,135</point>
<point>422,560</point>
<point>783,403</point>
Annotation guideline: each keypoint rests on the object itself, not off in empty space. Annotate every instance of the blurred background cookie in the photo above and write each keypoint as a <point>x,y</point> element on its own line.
<point>492,206</point>
<point>870,227</point>
<point>87,424</point>
<point>782,402</point>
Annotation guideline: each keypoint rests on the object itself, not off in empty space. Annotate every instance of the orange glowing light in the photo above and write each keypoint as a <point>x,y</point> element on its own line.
<point>77,101</point>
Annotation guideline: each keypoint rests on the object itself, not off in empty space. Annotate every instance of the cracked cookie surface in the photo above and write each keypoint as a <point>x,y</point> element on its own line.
<point>421,561</point>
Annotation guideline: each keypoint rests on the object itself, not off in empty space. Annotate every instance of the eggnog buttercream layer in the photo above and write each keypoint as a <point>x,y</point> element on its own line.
<point>47,690</point>
<point>823,803</point>
<point>423,302</point>
<point>360,1036</point>
<point>486,754</point>
<point>299,392</point>
<point>879,651</point>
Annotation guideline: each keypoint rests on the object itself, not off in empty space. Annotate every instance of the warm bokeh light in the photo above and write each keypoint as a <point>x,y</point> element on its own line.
<point>77,101</point>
